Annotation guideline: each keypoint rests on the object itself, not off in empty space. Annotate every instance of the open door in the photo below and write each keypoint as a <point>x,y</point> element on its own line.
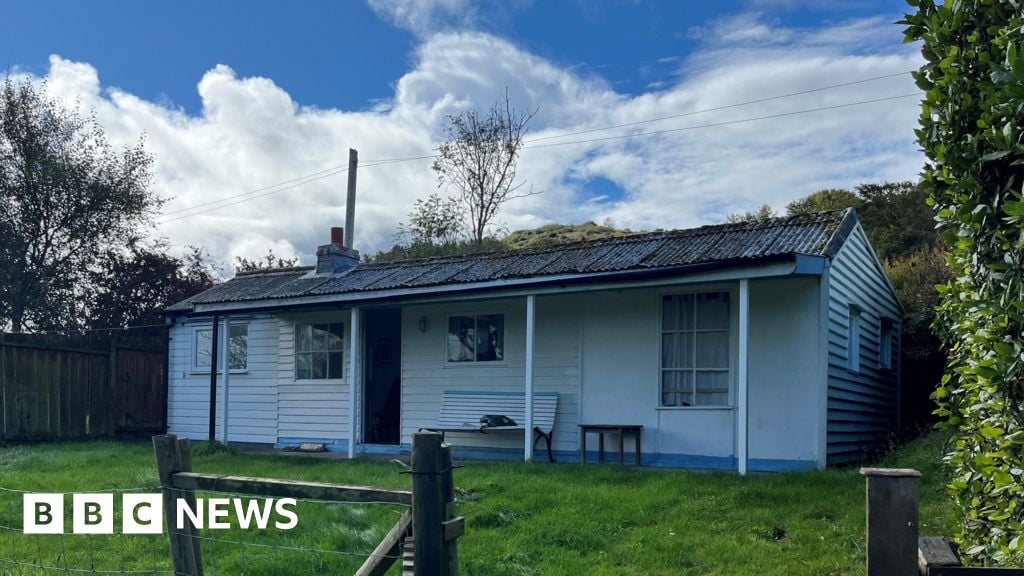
<point>382,376</point>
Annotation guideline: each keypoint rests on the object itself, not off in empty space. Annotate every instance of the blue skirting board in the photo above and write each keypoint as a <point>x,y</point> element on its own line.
<point>659,460</point>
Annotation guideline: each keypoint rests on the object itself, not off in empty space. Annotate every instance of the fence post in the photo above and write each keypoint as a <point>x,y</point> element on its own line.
<point>892,522</point>
<point>453,526</point>
<point>427,504</point>
<point>434,529</point>
<point>174,455</point>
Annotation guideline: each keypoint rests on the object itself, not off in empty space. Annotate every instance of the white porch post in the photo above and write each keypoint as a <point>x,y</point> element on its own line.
<point>742,381</point>
<point>353,379</point>
<point>531,309</point>
<point>225,355</point>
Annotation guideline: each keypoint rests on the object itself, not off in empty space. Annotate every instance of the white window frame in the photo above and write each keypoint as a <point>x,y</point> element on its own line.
<point>732,339</point>
<point>196,369</point>
<point>295,351</point>
<point>853,339</point>
<point>475,314</point>
<point>887,343</point>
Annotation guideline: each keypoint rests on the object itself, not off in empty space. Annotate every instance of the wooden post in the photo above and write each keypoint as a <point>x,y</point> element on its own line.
<point>891,521</point>
<point>531,318</point>
<point>452,525</point>
<point>226,353</point>
<point>427,504</point>
<point>743,383</point>
<point>435,531</point>
<point>173,456</point>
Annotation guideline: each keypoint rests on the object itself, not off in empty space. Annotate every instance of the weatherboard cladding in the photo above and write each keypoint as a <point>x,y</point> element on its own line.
<point>816,234</point>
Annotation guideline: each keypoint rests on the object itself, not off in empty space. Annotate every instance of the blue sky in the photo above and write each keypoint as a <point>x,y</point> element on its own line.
<point>234,96</point>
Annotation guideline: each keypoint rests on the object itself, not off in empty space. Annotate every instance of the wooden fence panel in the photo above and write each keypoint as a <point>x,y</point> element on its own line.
<point>75,387</point>
<point>140,390</point>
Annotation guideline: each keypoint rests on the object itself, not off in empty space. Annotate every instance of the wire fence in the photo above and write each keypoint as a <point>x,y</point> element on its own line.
<point>330,537</point>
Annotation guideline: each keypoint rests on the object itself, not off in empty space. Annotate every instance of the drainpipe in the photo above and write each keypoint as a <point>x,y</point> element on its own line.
<point>213,378</point>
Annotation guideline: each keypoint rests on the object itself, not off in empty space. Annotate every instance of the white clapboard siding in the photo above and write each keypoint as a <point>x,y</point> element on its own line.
<point>310,409</point>
<point>426,374</point>
<point>252,393</point>
<point>862,405</point>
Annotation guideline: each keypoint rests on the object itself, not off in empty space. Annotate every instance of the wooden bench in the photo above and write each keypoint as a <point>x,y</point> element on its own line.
<point>461,411</point>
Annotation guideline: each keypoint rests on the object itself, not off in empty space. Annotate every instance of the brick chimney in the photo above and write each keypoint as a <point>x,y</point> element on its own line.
<point>335,258</point>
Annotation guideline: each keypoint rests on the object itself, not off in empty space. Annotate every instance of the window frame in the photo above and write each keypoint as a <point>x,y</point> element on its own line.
<point>854,340</point>
<point>732,351</point>
<point>887,344</point>
<point>448,363</point>
<point>295,351</point>
<point>195,368</point>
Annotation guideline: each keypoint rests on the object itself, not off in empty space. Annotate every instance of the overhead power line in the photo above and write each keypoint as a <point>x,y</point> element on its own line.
<point>717,108</point>
<point>726,122</point>
<point>248,197</point>
<point>531,144</point>
<point>307,176</point>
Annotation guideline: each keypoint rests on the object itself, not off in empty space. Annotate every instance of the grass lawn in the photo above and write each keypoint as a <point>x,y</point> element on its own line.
<point>522,518</point>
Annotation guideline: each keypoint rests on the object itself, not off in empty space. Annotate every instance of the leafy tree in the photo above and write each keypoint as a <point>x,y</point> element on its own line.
<point>435,220</point>
<point>896,217</point>
<point>267,262</point>
<point>65,196</point>
<point>133,286</point>
<point>763,213</point>
<point>970,129</point>
<point>824,200</point>
<point>415,250</point>
<point>478,162</point>
<point>923,358</point>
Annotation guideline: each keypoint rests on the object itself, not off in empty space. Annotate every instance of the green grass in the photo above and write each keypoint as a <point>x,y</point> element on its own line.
<point>522,519</point>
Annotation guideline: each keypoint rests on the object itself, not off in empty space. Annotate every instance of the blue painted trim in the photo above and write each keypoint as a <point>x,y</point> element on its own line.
<point>332,444</point>
<point>383,448</point>
<point>495,393</point>
<point>686,461</point>
<point>810,265</point>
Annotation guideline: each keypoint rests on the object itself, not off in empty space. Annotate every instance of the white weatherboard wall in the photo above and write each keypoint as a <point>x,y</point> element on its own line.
<point>621,342</point>
<point>311,410</point>
<point>426,374</point>
<point>785,374</point>
<point>861,405</point>
<point>253,392</point>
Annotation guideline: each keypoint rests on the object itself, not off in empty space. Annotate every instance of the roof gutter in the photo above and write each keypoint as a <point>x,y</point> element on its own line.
<point>782,265</point>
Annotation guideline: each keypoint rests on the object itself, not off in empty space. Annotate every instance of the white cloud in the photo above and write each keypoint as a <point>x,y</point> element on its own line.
<point>425,16</point>
<point>250,133</point>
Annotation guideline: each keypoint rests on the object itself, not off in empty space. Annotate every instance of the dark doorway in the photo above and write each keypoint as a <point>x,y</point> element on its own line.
<point>383,374</point>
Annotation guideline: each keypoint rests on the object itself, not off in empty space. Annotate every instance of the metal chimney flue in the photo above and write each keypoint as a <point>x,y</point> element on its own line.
<point>350,203</point>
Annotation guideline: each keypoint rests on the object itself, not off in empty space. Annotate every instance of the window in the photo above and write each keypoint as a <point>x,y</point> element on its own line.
<point>238,348</point>
<point>695,352</point>
<point>887,345</point>
<point>319,351</point>
<point>479,338</point>
<point>853,340</point>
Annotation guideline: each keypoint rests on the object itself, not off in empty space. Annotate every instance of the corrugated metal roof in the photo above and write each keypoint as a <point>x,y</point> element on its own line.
<point>745,242</point>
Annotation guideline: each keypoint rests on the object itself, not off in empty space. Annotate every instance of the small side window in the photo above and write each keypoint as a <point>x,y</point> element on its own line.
<point>853,340</point>
<point>887,345</point>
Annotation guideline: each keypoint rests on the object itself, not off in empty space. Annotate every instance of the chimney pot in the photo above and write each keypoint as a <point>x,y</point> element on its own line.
<point>337,235</point>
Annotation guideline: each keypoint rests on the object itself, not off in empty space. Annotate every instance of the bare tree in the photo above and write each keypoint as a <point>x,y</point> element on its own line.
<point>478,161</point>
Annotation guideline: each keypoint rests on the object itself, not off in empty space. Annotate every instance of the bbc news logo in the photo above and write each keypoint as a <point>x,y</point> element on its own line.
<point>94,513</point>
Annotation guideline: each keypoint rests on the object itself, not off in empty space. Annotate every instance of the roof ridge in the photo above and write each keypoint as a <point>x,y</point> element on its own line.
<point>271,271</point>
<point>776,221</point>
